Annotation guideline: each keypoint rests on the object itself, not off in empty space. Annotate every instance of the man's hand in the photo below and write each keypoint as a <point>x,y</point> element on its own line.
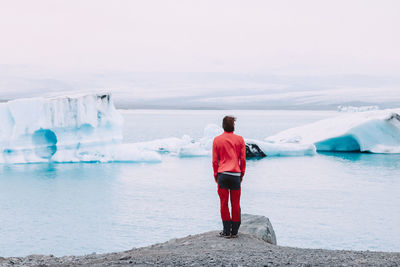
<point>216,178</point>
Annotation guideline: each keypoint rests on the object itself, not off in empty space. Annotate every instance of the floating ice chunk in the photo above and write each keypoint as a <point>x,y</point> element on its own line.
<point>185,146</point>
<point>84,127</point>
<point>194,150</point>
<point>131,153</point>
<point>107,153</point>
<point>6,121</point>
<point>166,145</point>
<point>188,147</point>
<point>204,146</point>
<point>284,149</point>
<point>385,149</point>
<point>210,131</point>
<point>371,131</point>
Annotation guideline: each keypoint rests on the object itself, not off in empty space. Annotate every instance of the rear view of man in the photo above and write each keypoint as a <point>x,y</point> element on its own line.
<point>229,164</point>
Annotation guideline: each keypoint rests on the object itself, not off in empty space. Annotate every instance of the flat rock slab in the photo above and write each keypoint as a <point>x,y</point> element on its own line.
<point>208,249</point>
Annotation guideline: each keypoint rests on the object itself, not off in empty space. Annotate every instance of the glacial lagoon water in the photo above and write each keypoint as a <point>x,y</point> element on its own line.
<point>331,200</point>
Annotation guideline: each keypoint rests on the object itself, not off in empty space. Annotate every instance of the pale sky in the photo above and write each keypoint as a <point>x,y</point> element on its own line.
<point>277,37</point>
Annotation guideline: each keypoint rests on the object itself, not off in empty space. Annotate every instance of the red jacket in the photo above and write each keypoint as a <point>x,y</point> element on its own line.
<point>229,154</point>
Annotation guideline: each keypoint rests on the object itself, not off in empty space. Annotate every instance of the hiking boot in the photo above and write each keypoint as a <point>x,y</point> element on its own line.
<point>222,234</point>
<point>235,228</point>
<point>227,229</point>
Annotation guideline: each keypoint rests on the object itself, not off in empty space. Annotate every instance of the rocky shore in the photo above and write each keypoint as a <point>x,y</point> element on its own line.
<point>251,248</point>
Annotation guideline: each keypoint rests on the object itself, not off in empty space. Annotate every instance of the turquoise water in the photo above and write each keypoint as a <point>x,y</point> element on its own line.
<point>332,200</point>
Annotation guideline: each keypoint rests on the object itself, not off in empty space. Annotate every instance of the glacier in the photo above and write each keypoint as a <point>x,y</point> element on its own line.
<point>79,128</point>
<point>376,131</point>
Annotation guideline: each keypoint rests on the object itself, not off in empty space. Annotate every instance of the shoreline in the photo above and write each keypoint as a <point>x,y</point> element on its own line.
<point>209,249</point>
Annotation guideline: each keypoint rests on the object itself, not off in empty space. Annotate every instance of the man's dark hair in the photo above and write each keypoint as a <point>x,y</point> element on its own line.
<point>228,123</point>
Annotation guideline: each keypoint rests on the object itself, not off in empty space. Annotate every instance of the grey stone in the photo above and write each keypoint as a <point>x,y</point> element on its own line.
<point>259,226</point>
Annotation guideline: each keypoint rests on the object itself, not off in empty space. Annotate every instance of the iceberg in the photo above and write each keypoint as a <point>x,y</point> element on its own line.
<point>188,147</point>
<point>282,149</point>
<point>185,146</point>
<point>79,128</point>
<point>88,128</point>
<point>376,131</point>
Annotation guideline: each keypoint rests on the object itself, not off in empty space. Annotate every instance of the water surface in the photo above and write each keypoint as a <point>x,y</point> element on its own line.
<point>332,200</point>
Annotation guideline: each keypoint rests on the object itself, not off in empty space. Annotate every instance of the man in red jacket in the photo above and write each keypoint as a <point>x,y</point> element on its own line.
<point>229,164</point>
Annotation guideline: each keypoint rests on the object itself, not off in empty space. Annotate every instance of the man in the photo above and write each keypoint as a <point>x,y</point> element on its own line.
<point>229,164</point>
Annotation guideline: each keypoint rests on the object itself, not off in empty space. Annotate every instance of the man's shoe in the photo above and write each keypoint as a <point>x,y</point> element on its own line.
<point>227,228</point>
<point>222,234</point>
<point>235,228</point>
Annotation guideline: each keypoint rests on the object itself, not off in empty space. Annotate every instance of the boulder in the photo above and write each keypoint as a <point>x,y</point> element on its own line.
<point>259,226</point>
<point>254,151</point>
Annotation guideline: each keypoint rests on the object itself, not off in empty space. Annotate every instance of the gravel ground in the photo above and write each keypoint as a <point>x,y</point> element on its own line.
<point>208,249</point>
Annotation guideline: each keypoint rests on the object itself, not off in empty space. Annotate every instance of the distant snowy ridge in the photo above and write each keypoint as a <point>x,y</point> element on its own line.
<point>356,109</point>
<point>375,131</point>
<point>79,128</point>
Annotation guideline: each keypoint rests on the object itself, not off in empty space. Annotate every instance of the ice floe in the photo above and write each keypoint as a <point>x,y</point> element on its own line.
<point>376,131</point>
<point>188,147</point>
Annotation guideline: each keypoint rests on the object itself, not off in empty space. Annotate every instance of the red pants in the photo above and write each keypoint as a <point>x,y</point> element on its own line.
<point>235,204</point>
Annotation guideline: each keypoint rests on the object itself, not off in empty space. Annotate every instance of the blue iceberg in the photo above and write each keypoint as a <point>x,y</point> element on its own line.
<point>79,128</point>
<point>376,131</point>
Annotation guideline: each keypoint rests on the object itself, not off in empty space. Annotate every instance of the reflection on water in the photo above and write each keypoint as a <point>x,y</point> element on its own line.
<point>350,156</point>
<point>51,170</point>
<point>36,171</point>
<point>391,161</point>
